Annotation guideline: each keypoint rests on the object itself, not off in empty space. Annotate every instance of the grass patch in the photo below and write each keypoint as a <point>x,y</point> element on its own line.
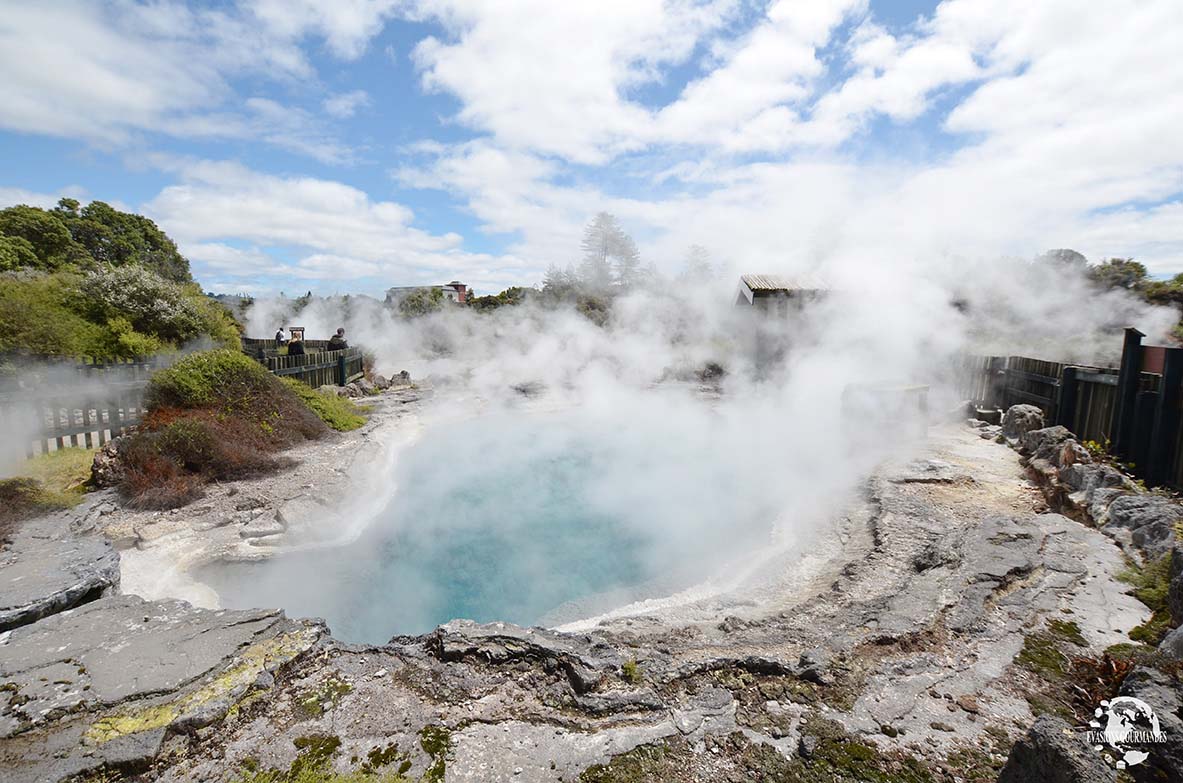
<point>48,482</point>
<point>1068,631</point>
<point>313,764</point>
<point>631,671</point>
<point>325,697</point>
<point>1150,584</point>
<point>1041,655</point>
<point>436,742</point>
<point>340,413</point>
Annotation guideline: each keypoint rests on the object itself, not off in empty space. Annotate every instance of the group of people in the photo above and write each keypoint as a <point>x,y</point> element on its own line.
<point>295,343</point>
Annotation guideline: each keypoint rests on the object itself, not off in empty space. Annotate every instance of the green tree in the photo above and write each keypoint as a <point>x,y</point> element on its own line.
<point>16,253</point>
<point>119,238</point>
<point>1118,273</point>
<point>609,255</point>
<point>421,301</point>
<point>44,231</point>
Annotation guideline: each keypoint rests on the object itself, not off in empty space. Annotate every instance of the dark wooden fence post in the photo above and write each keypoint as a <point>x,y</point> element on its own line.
<point>1139,449</point>
<point>995,378</point>
<point>1127,392</point>
<point>342,372</point>
<point>1066,404</point>
<point>1163,446</point>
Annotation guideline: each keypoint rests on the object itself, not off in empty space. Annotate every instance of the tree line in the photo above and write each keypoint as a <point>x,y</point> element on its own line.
<point>96,281</point>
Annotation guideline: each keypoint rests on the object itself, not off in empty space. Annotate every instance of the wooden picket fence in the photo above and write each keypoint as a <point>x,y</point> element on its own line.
<point>48,420</point>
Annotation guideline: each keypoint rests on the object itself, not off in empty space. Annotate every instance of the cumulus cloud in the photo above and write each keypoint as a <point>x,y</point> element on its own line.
<point>240,222</point>
<point>779,136</point>
<point>109,73</point>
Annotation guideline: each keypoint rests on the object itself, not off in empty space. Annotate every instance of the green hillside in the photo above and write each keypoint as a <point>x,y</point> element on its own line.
<point>95,281</point>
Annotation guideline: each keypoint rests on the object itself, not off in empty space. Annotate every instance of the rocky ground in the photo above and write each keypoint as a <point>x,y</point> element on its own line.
<point>935,621</point>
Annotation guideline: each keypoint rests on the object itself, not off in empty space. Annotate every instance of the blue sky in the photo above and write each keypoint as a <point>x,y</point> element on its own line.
<point>350,146</point>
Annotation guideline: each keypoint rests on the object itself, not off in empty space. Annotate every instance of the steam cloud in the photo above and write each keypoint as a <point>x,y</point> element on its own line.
<point>771,457</point>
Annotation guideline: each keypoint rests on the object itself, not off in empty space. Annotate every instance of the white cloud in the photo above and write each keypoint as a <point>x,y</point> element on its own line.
<point>553,77</point>
<point>346,104</point>
<point>324,230</point>
<point>1065,118</point>
<point>106,73</point>
<point>13,196</point>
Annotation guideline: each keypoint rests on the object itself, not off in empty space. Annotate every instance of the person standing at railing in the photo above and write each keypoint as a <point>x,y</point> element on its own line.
<point>280,339</point>
<point>338,342</point>
<point>296,348</point>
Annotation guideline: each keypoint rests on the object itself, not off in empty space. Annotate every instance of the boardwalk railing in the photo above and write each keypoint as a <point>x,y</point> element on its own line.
<point>322,368</point>
<point>47,420</point>
<point>260,348</point>
<point>51,402</point>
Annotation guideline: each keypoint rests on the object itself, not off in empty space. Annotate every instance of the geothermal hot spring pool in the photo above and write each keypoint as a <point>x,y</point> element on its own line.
<point>529,518</point>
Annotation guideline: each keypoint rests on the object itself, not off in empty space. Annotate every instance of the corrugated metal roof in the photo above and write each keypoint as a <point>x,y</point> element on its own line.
<point>780,283</point>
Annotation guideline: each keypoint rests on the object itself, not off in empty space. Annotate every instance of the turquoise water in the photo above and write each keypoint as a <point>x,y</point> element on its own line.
<point>526,519</point>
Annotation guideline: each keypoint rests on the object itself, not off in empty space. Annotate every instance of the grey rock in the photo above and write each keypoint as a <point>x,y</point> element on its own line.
<point>366,387</point>
<point>1135,511</point>
<point>249,504</point>
<point>107,469</point>
<point>990,432</point>
<point>381,382</point>
<point>1175,589</point>
<point>1053,753</point>
<point>619,701</point>
<point>584,659</point>
<point>1021,419</point>
<point>264,525</point>
<point>1172,644</point>
<point>1151,520</point>
<point>47,568</point>
<point>1155,539</point>
<point>1162,693</point>
<point>104,684</point>
<point>1046,443</point>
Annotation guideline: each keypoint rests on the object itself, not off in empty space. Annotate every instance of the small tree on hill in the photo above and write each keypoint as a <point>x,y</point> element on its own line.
<point>1118,273</point>
<point>609,255</point>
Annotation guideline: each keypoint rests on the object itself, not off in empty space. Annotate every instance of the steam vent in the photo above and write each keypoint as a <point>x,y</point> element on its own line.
<point>620,392</point>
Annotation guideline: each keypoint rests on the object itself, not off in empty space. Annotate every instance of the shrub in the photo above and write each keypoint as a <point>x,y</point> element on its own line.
<point>340,413</point>
<point>120,339</point>
<point>153,305</point>
<point>214,415</point>
<point>232,384</point>
<point>152,480</point>
<point>206,379</point>
<point>37,315</point>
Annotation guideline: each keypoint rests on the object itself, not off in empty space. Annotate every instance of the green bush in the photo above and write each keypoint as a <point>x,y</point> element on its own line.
<point>340,413</point>
<point>219,378</point>
<point>38,315</point>
<point>153,305</point>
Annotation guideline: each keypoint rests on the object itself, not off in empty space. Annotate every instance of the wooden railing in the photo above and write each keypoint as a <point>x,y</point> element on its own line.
<point>322,368</point>
<point>47,420</point>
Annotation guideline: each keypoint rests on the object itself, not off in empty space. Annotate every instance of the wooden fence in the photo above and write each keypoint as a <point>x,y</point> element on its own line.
<point>48,420</point>
<point>260,348</point>
<point>1136,410</point>
<point>323,368</point>
<point>49,403</point>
